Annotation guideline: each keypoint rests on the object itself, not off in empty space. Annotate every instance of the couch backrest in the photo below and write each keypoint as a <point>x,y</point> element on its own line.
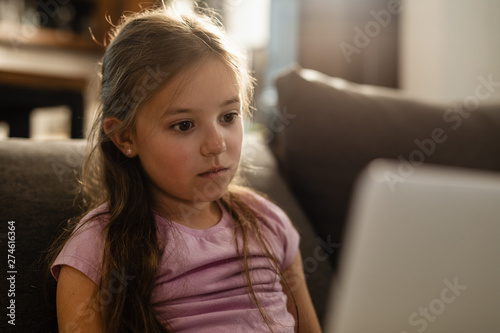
<point>330,129</point>
<point>37,181</point>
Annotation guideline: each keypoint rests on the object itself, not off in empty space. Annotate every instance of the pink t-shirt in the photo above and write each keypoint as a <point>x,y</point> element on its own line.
<point>199,287</point>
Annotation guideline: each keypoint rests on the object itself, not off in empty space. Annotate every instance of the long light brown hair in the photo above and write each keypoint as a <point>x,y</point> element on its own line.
<point>145,53</point>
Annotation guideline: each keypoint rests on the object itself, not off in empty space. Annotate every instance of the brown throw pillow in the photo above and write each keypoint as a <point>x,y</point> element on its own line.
<point>335,128</point>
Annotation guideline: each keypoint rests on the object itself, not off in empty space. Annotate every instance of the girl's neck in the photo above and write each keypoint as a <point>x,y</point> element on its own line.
<point>199,216</point>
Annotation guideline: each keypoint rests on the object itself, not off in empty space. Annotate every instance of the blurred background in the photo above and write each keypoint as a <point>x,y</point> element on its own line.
<point>433,49</point>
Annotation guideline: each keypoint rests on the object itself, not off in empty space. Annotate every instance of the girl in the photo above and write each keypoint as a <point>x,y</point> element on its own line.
<point>168,243</point>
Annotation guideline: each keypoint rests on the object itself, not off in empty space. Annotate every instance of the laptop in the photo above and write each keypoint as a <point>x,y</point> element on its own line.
<point>421,253</point>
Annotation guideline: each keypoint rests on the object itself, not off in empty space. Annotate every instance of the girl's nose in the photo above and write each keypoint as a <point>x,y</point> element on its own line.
<point>214,143</point>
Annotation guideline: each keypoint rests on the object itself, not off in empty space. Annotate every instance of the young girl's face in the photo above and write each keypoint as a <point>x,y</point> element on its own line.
<point>188,136</point>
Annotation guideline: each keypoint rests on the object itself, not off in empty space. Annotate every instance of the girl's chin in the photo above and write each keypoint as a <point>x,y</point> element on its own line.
<point>212,190</point>
<point>208,198</point>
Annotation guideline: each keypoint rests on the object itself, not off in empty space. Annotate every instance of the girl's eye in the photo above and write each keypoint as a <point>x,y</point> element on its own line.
<point>183,126</point>
<point>229,118</point>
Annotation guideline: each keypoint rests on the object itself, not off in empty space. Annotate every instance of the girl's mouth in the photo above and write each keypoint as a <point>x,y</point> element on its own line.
<point>214,173</point>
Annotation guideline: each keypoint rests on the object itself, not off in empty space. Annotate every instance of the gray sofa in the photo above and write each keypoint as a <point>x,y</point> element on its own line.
<point>321,136</point>
<point>38,182</point>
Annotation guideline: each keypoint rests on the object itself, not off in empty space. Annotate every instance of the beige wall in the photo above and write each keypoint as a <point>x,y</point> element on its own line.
<point>354,40</point>
<point>447,46</point>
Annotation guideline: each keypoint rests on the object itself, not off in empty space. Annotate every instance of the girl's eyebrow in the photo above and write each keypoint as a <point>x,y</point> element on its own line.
<point>233,100</point>
<point>174,111</point>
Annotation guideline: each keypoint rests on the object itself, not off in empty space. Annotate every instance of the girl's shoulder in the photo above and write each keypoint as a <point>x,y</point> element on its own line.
<point>93,221</point>
<point>275,223</point>
<point>262,206</point>
<point>98,214</point>
<point>255,199</point>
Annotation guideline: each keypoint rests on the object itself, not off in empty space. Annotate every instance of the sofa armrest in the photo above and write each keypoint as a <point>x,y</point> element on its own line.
<point>38,193</point>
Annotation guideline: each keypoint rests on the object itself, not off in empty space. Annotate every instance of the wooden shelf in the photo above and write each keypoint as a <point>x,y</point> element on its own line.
<point>16,35</point>
<point>104,10</point>
<point>42,82</point>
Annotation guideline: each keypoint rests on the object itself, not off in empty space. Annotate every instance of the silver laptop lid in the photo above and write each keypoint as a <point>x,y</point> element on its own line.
<point>422,253</point>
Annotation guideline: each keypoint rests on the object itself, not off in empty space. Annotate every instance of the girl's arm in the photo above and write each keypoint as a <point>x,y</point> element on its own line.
<point>77,309</point>
<point>308,320</point>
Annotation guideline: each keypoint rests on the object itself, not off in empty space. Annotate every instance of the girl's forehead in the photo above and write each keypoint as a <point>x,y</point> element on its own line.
<point>197,74</point>
<point>206,81</point>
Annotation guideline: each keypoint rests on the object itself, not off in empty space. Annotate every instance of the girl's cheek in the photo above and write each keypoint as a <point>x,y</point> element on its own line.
<point>237,152</point>
<point>180,155</point>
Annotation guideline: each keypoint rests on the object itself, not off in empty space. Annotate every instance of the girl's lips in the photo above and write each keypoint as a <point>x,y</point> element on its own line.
<point>215,173</point>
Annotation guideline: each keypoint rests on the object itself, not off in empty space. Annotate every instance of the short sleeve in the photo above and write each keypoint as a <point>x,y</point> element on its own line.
<point>287,233</point>
<point>281,226</point>
<point>84,250</point>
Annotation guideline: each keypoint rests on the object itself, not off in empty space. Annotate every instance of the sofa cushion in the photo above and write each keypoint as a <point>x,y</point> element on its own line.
<point>38,185</point>
<point>335,128</point>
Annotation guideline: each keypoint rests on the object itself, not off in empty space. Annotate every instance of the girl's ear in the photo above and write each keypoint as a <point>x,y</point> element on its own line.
<point>122,138</point>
